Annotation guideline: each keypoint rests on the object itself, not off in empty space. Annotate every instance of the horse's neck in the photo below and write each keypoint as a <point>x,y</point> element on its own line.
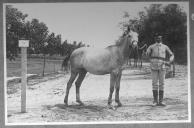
<point>124,49</point>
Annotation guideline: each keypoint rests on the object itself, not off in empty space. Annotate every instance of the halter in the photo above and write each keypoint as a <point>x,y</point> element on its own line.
<point>133,41</point>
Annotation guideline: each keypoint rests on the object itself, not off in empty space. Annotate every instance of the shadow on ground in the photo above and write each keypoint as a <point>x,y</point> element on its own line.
<point>132,109</point>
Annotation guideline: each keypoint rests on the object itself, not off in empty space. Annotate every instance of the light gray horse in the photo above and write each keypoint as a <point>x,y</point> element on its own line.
<point>99,62</point>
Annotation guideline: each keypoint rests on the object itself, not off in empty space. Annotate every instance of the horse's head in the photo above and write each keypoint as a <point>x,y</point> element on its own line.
<point>130,42</point>
<point>133,36</point>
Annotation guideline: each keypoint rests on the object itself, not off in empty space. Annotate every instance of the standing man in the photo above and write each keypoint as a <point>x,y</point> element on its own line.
<point>157,54</point>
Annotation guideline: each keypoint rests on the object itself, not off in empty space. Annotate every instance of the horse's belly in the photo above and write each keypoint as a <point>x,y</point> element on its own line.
<point>97,71</point>
<point>98,66</point>
<point>95,61</point>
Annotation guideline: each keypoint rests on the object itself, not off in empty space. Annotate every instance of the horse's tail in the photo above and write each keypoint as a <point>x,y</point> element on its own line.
<point>66,61</point>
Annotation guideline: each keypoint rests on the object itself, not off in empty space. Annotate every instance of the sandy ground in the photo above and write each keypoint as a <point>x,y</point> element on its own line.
<point>45,99</point>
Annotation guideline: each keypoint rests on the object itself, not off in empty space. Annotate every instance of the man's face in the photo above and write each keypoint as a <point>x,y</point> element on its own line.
<point>159,39</point>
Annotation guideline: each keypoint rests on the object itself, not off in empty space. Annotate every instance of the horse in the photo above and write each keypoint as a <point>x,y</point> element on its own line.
<point>103,61</point>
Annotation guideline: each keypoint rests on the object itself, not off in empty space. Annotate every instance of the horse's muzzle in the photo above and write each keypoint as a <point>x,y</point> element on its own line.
<point>134,43</point>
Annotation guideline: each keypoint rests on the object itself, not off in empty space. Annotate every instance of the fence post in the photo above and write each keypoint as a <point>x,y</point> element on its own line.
<point>45,44</point>
<point>43,66</point>
<point>174,69</point>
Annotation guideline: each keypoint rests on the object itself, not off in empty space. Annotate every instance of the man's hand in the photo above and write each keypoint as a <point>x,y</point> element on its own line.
<point>171,58</point>
<point>167,63</point>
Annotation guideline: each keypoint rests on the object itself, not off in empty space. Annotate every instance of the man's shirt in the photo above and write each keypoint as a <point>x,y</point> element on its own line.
<point>157,53</point>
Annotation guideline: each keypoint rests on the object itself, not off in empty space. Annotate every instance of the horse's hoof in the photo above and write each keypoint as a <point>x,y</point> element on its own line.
<point>80,103</point>
<point>65,103</point>
<point>119,104</point>
<point>111,107</point>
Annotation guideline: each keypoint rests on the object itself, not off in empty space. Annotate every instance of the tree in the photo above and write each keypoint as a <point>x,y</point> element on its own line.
<point>15,29</point>
<point>170,21</point>
<point>35,31</point>
<point>176,32</point>
<point>38,33</point>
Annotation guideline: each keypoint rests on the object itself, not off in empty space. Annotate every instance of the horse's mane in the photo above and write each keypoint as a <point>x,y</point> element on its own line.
<point>122,38</point>
<point>117,42</point>
<point>120,41</point>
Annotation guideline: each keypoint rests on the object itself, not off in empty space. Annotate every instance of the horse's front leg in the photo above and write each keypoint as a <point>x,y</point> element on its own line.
<point>112,83</point>
<point>117,87</point>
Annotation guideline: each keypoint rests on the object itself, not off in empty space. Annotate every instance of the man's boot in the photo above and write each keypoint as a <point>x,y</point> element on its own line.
<point>155,96</point>
<point>161,95</point>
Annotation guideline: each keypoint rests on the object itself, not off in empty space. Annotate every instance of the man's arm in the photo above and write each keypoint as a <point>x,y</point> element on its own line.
<point>170,53</point>
<point>148,51</point>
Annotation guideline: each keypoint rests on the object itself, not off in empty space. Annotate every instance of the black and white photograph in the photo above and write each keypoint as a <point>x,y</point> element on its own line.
<point>96,63</point>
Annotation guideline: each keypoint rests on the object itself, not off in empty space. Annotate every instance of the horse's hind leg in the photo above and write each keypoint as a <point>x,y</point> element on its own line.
<point>78,82</point>
<point>69,84</point>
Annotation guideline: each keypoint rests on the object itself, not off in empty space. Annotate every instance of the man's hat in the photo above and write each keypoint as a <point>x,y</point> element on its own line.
<point>156,35</point>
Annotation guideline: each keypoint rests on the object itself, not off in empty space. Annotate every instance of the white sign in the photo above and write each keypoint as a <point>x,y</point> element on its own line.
<point>23,43</point>
<point>45,43</point>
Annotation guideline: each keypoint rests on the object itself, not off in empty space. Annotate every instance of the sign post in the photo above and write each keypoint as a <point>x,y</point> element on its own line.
<point>23,44</point>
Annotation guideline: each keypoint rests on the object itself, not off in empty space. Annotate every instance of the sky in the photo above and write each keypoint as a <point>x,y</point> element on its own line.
<point>95,23</point>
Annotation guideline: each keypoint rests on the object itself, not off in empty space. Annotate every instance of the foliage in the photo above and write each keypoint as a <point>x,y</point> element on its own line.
<point>14,29</point>
<point>169,21</point>
<point>37,33</point>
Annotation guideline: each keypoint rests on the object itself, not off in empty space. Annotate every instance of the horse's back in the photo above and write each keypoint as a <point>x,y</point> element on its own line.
<point>89,53</point>
<point>94,60</point>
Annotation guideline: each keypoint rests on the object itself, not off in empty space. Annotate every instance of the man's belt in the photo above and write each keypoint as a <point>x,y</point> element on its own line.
<point>160,58</point>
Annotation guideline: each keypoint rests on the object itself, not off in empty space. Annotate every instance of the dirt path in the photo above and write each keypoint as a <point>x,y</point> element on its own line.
<point>45,100</point>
